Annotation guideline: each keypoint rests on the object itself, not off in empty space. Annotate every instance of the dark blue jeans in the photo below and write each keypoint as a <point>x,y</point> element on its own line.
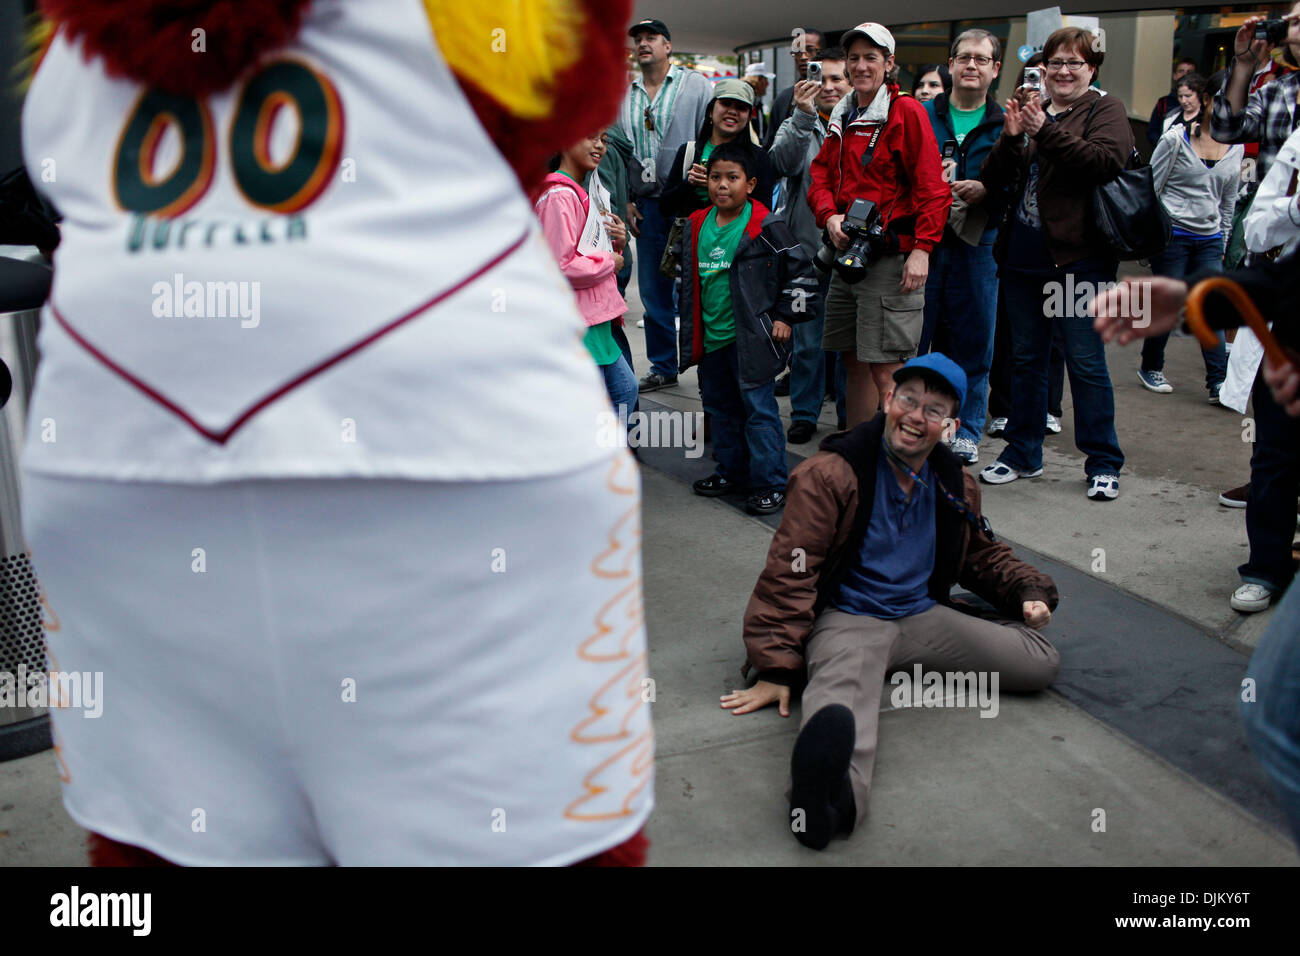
<point>1186,256</point>
<point>1274,482</point>
<point>1028,298</point>
<point>1272,719</point>
<point>656,290</point>
<point>748,443</point>
<point>808,365</point>
<point>961,299</point>
<point>1000,373</point>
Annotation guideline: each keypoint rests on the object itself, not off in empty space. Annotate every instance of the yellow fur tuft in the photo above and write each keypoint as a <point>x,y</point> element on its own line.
<point>510,51</point>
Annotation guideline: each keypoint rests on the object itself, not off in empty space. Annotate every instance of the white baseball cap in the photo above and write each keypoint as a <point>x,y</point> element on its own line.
<point>873,32</point>
<point>759,69</point>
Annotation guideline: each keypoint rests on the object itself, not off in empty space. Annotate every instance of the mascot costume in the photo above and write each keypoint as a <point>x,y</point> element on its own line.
<point>315,475</point>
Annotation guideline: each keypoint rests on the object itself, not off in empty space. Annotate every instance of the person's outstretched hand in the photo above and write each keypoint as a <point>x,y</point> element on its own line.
<point>1139,307</point>
<point>758,697</point>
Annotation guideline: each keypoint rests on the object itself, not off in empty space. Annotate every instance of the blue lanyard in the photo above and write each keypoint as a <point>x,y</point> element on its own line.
<point>958,504</point>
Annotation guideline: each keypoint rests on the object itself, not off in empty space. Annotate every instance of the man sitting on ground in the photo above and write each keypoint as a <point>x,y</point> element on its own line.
<point>878,528</point>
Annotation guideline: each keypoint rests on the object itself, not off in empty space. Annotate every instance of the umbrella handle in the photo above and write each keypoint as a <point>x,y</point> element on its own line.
<point>1245,307</point>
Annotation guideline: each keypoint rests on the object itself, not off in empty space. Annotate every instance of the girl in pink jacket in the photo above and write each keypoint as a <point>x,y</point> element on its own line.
<point>587,240</point>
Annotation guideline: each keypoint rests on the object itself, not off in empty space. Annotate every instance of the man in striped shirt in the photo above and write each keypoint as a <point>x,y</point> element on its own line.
<point>664,108</point>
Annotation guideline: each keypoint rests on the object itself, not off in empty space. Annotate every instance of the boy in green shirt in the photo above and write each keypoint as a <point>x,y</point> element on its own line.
<point>745,281</point>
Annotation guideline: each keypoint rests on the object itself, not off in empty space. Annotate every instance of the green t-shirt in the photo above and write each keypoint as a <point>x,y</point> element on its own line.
<point>600,343</point>
<point>963,121</point>
<point>713,257</point>
<point>703,158</point>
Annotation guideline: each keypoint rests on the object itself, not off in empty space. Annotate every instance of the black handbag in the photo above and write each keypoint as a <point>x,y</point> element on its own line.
<point>1128,212</point>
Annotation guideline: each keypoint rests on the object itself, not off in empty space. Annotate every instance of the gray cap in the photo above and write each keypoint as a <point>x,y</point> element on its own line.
<point>733,89</point>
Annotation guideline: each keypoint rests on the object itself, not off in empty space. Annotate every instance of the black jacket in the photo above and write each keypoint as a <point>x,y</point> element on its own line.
<point>679,197</point>
<point>771,278</point>
<point>1274,287</point>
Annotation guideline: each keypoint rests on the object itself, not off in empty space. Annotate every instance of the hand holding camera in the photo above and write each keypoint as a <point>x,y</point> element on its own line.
<point>805,95</point>
<point>860,237</point>
<point>1259,35</point>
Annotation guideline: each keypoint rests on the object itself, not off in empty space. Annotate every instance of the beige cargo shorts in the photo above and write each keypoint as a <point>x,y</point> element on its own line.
<point>872,318</point>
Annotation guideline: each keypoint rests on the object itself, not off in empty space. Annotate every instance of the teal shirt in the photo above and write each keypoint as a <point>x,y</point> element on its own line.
<point>599,341</point>
<point>963,121</point>
<point>716,250</point>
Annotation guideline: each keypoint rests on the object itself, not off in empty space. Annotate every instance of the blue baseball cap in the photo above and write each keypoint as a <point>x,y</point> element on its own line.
<point>937,370</point>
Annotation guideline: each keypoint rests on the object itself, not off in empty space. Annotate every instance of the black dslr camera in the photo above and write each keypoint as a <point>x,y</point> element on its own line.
<point>1274,31</point>
<point>867,242</point>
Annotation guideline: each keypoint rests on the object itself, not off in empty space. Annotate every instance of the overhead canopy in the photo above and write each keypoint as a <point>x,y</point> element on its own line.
<point>720,26</point>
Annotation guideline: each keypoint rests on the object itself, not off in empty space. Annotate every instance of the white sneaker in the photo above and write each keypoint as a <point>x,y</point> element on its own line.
<point>1053,424</point>
<point>966,450</point>
<point>997,426</point>
<point>1103,487</point>
<point>640,323</point>
<point>1250,598</point>
<point>999,474</point>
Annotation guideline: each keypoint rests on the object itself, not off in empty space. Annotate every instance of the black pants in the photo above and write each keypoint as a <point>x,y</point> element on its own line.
<point>1274,483</point>
<point>1000,397</point>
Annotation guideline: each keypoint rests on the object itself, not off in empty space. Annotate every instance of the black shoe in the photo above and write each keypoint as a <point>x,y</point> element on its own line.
<point>765,502</point>
<point>715,485</point>
<point>782,386</point>
<point>654,381</point>
<point>821,796</point>
<point>800,432</point>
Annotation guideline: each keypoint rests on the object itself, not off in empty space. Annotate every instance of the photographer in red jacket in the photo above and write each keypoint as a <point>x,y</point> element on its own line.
<point>879,147</point>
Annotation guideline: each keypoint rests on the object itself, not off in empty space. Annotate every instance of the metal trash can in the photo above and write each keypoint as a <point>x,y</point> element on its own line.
<point>23,730</point>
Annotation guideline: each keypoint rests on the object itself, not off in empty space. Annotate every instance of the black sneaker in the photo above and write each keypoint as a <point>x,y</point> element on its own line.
<point>765,502</point>
<point>800,432</point>
<point>821,795</point>
<point>654,381</point>
<point>715,485</point>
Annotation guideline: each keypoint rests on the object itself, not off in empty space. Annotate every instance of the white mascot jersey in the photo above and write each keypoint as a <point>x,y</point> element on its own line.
<point>326,270</point>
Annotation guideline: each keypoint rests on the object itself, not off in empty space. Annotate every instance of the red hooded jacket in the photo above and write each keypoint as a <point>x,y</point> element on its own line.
<point>905,178</point>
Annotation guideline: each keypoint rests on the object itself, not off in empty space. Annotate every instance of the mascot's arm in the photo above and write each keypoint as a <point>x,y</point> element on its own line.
<point>540,74</point>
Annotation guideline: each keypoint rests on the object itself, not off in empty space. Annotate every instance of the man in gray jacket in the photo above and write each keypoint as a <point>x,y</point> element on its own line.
<point>663,109</point>
<point>795,146</point>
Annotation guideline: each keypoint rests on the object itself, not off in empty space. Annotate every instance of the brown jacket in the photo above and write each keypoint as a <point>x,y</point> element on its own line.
<point>821,534</point>
<point>1069,168</point>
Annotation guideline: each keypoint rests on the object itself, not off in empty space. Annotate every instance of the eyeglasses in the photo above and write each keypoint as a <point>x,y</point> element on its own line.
<point>1074,66</point>
<point>809,50</point>
<point>933,413</point>
<point>649,120</point>
<point>965,58</point>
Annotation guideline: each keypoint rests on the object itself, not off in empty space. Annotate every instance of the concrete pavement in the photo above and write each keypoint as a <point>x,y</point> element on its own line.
<point>1046,782</point>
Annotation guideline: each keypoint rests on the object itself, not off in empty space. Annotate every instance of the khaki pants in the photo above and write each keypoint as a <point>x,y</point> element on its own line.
<point>849,656</point>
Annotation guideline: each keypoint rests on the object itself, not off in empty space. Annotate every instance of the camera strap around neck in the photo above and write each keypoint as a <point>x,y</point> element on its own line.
<point>875,135</point>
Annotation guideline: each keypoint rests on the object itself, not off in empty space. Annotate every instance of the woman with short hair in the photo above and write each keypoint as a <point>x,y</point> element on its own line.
<point>1052,154</point>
